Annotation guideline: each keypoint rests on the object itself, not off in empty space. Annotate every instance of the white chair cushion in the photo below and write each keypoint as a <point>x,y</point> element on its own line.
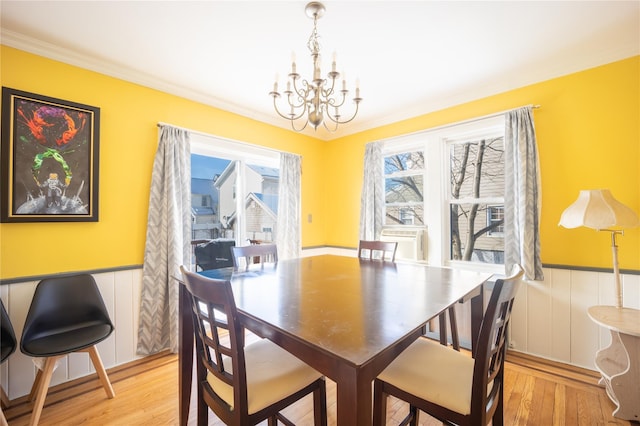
<point>434,373</point>
<point>272,375</point>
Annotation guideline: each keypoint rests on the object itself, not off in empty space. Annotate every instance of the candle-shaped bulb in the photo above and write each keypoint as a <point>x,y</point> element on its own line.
<point>357,88</point>
<point>333,63</point>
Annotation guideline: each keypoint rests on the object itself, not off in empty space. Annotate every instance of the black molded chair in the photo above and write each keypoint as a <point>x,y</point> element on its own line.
<point>451,386</point>
<point>8,345</point>
<point>213,254</point>
<point>243,384</point>
<point>244,256</point>
<point>67,314</point>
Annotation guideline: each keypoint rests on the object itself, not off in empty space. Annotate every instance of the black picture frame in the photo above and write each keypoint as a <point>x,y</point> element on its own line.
<point>49,162</point>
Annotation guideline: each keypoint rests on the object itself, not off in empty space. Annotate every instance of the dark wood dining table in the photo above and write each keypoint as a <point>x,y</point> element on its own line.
<point>348,318</point>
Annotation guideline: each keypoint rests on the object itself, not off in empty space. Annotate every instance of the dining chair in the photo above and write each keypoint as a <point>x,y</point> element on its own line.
<point>67,314</point>
<point>452,386</point>
<point>244,256</point>
<point>8,345</point>
<point>243,384</point>
<point>377,250</point>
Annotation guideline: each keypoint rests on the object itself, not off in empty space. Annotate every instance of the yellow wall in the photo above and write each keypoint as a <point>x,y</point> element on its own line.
<point>588,132</point>
<point>129,115</point>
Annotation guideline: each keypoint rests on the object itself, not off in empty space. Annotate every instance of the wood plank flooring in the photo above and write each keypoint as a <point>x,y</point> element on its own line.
<point>537,393</point>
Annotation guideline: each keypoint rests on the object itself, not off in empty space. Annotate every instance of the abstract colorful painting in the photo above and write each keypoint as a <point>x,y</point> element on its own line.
<point>50,159</point>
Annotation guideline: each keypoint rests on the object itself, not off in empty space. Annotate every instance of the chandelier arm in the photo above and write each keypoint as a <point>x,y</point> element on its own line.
<point>302,94</point>
<point>332,101</point>
<point>300,129</point>
<point>338,121</point>
<point>286,116</point>
<point>291,118</point>
<point>324,123</point>
<point>292,104</point>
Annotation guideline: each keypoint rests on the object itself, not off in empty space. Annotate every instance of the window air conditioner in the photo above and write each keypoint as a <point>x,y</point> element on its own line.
<point>411,242</point>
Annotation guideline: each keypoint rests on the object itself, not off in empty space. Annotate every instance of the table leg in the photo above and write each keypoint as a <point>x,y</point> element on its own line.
<point>477,312</point>
<point>354,399</point>
<point>185,354</point>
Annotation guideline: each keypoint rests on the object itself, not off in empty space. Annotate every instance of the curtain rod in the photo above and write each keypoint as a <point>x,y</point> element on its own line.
<point>209,135</point>
<point>457,123</point>
<point>484,117</point>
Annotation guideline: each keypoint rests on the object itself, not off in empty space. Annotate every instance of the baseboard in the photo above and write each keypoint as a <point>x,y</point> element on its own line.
<point>73,388</point>
<point>516,360</point>
<point>553,368</point>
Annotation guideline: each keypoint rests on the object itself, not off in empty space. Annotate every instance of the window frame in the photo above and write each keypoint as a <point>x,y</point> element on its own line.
<point>490,220</point>
<point>402,206</point>
<point>436,197</point>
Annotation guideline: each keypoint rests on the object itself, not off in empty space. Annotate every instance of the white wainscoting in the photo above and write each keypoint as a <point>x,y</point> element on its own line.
<point>549,320</point>
<point>121,293</point>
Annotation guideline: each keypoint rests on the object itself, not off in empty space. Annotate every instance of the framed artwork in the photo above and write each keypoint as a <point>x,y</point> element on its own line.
<point>49,159</point>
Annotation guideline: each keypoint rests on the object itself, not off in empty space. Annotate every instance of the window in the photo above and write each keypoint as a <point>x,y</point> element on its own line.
<point>404,188</point>
<point>451,181</point>
<point>495,220</point>
<point>477,181</point>
<point>241,182</point>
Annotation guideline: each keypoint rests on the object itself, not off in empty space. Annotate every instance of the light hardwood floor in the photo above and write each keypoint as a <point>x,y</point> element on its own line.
<point>537,393</point>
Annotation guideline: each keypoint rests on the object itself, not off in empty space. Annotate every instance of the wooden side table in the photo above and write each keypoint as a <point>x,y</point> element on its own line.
<point>619,363</point>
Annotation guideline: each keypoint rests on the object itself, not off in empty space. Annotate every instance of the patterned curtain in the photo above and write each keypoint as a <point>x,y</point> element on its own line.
<point>288,232</point>
<point>522,198</point>
<point>372,198</point>
<point>168,242</point>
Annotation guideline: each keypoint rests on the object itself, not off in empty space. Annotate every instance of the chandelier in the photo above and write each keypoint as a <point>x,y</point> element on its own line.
<point>317,100</point>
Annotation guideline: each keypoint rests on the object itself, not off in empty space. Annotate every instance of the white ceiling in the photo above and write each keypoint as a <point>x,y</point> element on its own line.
<point>411,57</point>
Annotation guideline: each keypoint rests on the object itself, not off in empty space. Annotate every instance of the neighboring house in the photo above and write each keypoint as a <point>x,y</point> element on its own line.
<point>204,199</point>
<point>261,200</point>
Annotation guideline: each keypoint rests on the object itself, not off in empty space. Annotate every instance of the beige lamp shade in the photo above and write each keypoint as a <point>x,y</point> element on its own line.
<point>597,209</point>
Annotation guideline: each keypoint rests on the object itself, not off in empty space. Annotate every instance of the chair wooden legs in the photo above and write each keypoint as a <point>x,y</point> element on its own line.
<point>43,379</point>
<point>40,388</point>
<point>102,374</point>
<point>4,403</point>
<point>442,319</point>
<point>320,405</point>
<point>455,341</point>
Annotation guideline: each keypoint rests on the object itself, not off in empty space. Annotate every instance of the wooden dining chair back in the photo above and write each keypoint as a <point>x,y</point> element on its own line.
<point>243,384</point>
<point>452,386</point>
<point>244,256</point>
<point>377,250</point>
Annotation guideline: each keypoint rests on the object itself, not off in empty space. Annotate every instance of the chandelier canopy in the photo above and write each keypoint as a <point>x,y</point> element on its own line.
<point>316,100</point>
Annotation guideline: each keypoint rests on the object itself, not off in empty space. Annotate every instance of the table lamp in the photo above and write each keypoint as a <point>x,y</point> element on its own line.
<point>597,209</point>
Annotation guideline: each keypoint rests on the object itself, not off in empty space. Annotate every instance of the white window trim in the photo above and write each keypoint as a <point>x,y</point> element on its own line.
<point>215,146</point>
<point>434,142</point>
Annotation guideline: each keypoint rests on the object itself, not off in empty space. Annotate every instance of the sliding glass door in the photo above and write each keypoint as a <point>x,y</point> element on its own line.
<point>234,191</point>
